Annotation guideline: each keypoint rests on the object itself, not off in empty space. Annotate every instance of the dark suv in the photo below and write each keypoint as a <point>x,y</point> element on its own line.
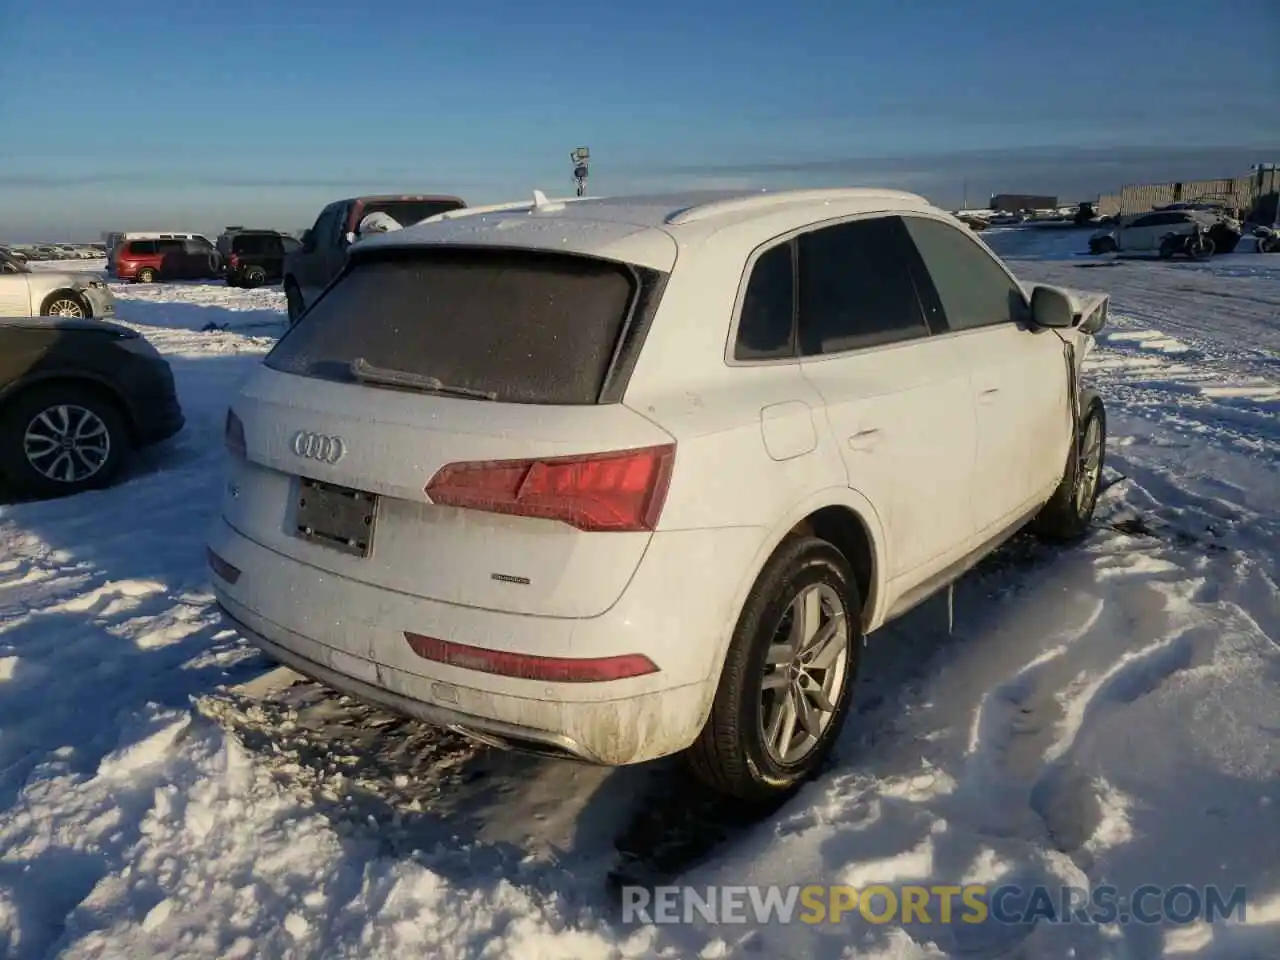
<point>254,257</point>
<point>308,270</point>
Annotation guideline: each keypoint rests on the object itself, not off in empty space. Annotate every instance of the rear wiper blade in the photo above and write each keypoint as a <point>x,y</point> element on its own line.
<point>365,372</point>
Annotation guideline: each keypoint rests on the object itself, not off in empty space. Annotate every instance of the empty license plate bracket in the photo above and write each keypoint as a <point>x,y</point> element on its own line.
<point>336,517</point>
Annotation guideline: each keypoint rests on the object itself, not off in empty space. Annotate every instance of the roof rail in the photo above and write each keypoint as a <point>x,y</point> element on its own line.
<point>539,200</point>
<point>765,199</point>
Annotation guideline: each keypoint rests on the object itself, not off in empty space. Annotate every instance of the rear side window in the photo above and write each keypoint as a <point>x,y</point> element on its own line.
<point>766,326</point>
<point>856,288</point>
<point>972,287</point>
<point>408,212</point>
<point>256,244</point>
<point>140,248</point>
<point>527,327</point>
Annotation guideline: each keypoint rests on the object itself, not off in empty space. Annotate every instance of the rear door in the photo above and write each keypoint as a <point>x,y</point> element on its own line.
<point>200,258</point>
<point>1018,375</point>
<point>538,331</point>
<point>1139,235</point>
<point>896,397</point>
<point>175,263</point>
<point>271,258</point>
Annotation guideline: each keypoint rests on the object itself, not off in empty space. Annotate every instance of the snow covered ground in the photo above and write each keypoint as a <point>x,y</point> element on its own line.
<point>1103,715</point>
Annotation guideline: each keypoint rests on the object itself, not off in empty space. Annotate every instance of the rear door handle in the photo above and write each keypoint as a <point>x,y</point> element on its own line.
<point>989,395</point>
<point>865,439</point>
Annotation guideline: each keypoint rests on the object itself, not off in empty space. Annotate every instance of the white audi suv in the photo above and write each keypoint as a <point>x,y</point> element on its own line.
<point>620,478</point>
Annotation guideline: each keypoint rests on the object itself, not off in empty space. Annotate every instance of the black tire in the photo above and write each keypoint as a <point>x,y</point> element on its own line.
<point>293,300</point>
<point>146,275</point>
<point>1168,247</point>
<point>1201,249</point>
<point>1066,518</point>
<point>1103,245</point>
<point>65,303</point>
<point>1269,245</point>
<point>730,754</point>
<point>254,277</point>
<point>20,413</point>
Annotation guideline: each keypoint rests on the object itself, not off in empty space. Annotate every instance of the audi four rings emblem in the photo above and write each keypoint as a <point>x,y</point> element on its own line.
<point>317,446</point>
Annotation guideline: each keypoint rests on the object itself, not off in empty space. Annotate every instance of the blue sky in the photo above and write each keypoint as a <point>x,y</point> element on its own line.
<point>191,114</point>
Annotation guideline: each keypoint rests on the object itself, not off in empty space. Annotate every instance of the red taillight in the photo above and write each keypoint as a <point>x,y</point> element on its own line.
<point>233,260</point>
<point>527,666</point>
<point>621,491</point>
<point>233,434</point>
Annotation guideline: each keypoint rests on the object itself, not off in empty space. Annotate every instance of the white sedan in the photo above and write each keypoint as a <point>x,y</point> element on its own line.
<point>25,293</point>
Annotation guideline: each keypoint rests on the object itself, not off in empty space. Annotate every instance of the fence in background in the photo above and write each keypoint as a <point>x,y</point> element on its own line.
<point>1241,194</point>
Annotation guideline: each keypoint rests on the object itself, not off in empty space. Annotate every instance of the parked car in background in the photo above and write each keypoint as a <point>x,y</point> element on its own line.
<point>618,478</point>
<point>13,254</point>
<point>1163,232</point>
<point>323,253</point>
<point>27,293</point>
<point>253,257</point>
<point>149,260</point>
<point>1267,238</point>
<point>77,397</point>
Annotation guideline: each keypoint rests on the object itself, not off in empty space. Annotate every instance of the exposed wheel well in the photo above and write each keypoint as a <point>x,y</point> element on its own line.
<point>104,393</point>
<point>844,530</point>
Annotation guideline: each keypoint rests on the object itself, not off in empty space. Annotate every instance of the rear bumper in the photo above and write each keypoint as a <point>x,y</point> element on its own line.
<point>575,731</point>
<point>160,423</point>
<point>156,411</point>
<point>678,610</point>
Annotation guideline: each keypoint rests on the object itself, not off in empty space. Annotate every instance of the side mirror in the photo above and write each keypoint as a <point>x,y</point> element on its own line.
<point>1051,308</point>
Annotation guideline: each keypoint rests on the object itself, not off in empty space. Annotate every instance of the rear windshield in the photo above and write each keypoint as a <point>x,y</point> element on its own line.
<point>527,327</point>
<point>408,212</point>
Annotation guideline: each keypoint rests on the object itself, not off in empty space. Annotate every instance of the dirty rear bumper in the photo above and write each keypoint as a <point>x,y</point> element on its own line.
<point>589,722</point>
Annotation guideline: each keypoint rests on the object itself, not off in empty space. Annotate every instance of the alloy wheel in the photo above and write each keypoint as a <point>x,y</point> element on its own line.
<point>804,674</point>
<point>67,443</point>
<point>66,307</point>
<point>1089,466</point>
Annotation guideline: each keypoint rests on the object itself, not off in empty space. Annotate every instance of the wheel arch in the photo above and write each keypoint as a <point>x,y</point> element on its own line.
<point>83,380</point>
<point>68,292</point>
<point>848,520</point>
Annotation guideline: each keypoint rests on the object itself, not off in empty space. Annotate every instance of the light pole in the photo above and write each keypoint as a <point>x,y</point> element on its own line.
<point>579,157</point>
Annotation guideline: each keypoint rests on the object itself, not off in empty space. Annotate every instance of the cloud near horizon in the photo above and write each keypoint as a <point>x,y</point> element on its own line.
<point>1068,172</point>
